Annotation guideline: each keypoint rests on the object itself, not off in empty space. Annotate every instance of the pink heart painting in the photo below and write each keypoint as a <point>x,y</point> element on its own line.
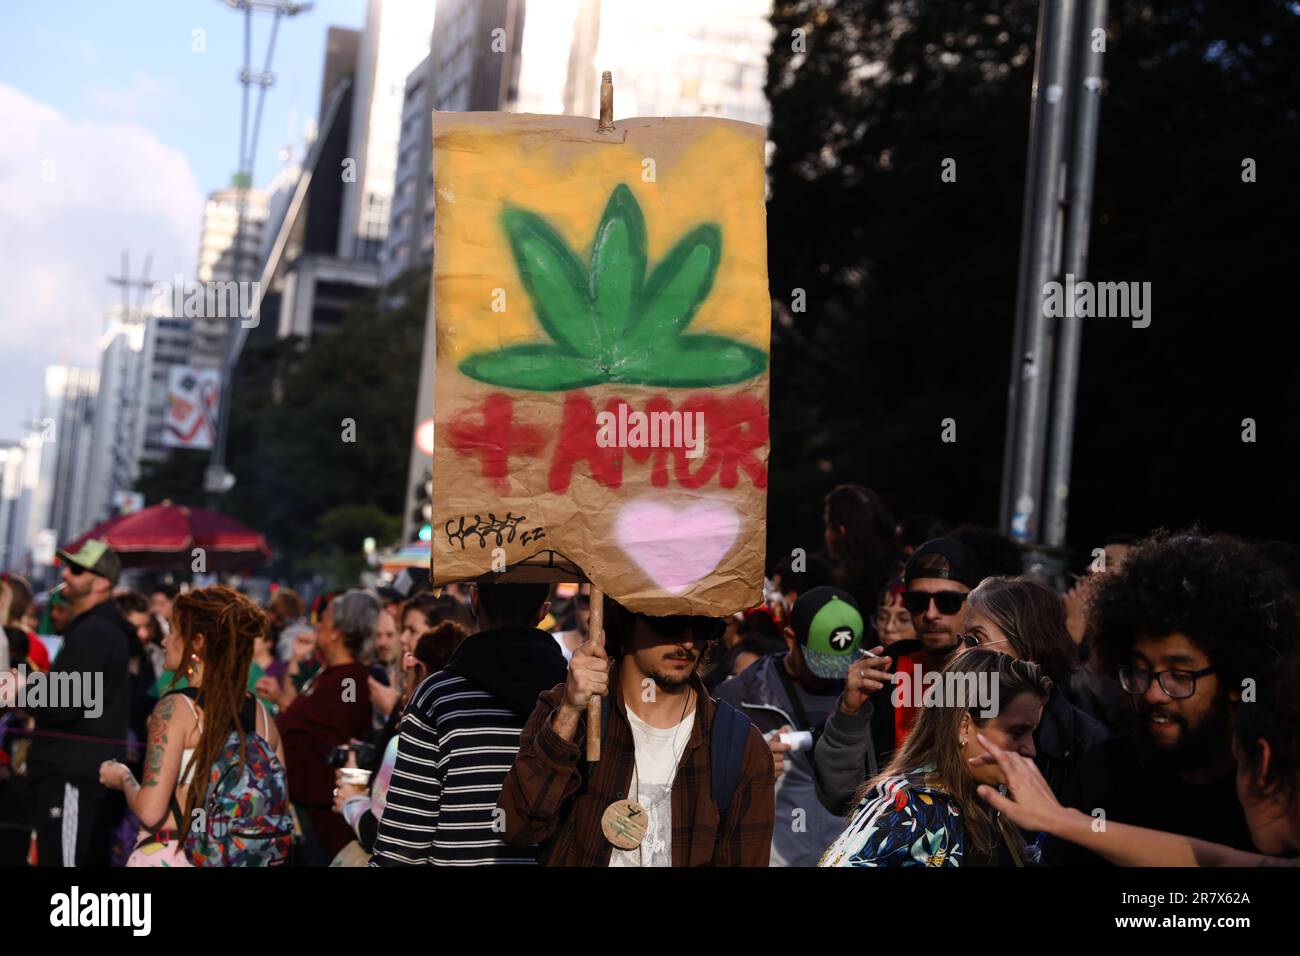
<point>676,547</point>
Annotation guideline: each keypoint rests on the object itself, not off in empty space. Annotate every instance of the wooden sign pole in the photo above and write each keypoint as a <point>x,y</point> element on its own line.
<point>596,623</point>
<point>606,124</point>
<point>595,632</point>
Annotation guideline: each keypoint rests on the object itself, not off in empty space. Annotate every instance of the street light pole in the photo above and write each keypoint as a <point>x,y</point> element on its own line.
<point>217,480</point>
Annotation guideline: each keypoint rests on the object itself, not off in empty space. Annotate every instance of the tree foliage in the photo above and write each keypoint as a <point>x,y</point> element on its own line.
<point>313,493</point>
<point>910,281</point>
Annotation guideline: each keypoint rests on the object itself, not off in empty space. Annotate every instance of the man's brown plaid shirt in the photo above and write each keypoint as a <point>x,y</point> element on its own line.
<point>547,798</point>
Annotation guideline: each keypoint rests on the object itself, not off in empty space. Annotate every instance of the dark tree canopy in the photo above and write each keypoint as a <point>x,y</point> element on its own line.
<point>910,281</point>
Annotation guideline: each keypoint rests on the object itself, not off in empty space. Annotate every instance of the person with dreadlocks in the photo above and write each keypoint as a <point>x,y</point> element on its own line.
<point>199,733</point>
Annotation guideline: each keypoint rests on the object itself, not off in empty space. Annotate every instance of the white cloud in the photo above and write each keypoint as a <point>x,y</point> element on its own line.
<point>74,194</point>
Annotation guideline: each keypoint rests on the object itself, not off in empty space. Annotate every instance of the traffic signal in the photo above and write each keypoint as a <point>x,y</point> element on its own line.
<point>423,513</point>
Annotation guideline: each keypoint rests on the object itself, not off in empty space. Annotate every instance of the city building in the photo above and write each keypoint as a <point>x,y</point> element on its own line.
<point>67,422</point>
<point>20,464</point>
<point>119,428</point>
<point>307,287</point>
<point>412,178</point>
<point>325,236</point>
<point>667,60</point>
<point>45,477</point>
<point>217,264</point>
<point>395,40</point>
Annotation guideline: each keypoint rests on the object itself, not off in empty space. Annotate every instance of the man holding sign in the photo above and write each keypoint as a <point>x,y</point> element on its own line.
<point>601,401</point>
<point>683,780</point>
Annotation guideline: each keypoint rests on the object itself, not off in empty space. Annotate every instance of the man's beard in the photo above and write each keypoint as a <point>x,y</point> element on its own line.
<point>1197,747</point>
<point>673,679</point>
<point>930,640</point>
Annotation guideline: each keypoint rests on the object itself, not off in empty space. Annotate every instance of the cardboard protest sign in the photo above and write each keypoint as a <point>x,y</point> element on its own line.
<point>602,333</point>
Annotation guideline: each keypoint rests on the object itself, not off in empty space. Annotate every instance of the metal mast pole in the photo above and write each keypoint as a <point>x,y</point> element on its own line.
<point>1018,336</point>
<point>1031,364</point>
<point>1083,164</point>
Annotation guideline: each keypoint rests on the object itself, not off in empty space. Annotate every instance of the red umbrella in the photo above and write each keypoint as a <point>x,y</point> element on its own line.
<point>164,536</point>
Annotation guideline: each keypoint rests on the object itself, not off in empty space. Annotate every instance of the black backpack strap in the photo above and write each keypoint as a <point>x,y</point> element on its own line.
<point>727,753</point>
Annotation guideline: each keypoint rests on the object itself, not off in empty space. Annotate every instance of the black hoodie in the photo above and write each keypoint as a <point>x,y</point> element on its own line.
<point>71,740</point>
<point>513,664</point>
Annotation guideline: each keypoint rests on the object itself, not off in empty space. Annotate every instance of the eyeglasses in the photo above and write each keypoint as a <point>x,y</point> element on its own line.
<point>971,640</point>
<point>702,628</point>
<point>884,617</point>
<point>948,602</point>
<point>1176,683</point>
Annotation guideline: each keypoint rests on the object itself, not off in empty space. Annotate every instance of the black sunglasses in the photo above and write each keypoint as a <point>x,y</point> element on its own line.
<point>702,628</point>
<point>948,602</point>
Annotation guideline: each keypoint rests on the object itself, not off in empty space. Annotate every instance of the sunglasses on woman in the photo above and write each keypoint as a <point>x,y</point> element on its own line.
<point>972,640</point>
<point>948,602</point>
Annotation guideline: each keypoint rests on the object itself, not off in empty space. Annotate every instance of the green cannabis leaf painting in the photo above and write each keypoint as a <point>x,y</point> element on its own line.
<point>607,414</point>
<point>607,319</point>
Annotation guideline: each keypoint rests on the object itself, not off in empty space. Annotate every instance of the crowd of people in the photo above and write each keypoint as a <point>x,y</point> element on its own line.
<point>907,697</point>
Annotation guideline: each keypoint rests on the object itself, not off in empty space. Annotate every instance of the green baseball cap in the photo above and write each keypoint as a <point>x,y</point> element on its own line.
<point>96,557</point>
<point>828,625</point>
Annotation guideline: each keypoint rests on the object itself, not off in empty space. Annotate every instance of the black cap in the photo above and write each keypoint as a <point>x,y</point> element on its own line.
<point>963,566</point>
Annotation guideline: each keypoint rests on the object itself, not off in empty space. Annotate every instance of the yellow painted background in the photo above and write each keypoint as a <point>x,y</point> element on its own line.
<point>703,173</point>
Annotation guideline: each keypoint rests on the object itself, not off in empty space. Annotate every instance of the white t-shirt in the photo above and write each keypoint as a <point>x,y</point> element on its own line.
<point>658,751</point>
<point>562,638</point>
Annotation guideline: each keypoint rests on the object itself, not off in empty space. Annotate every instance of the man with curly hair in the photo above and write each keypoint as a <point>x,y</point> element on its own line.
<point>1187,624</point>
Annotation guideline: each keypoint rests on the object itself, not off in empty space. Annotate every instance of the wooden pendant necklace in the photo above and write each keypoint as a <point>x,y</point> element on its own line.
<point>624,822</point>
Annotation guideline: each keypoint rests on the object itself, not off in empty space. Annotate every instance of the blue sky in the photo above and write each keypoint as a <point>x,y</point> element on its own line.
<point>133,60</point>
<point>114,131</point>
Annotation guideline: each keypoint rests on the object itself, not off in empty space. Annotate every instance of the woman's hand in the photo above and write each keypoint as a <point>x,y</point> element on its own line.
<point>1030,803</point>
<point>113,774</point>
<point>1076,610</point>
<point>343,791</point>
